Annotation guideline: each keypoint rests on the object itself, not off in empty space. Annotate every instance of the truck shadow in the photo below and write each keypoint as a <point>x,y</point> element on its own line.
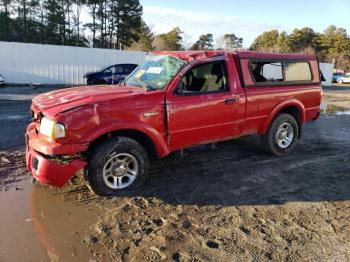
<point>239,172</point>
<point>232,173</point>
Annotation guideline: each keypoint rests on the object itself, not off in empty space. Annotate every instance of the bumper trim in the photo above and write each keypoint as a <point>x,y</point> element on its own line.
<point>51,172</point>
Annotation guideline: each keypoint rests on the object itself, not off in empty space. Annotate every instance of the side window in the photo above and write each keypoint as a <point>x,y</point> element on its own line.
<point>280,71</point>
<point>118,69</point>
<point>297,71</point>
<point>108,70</point>
<point>267,71</point>
<point>129,68</point>
<point>206,78</point>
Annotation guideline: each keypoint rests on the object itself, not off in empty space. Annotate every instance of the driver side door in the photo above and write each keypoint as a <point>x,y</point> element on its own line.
<point>207,107</point>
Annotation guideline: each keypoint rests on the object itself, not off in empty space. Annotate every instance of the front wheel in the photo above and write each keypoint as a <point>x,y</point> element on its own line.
<point>282,136</point>
<point>116,165</point>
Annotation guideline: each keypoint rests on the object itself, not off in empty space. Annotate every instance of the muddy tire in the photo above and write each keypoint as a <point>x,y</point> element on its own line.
<point>282,136</point>
<point>117,165</point>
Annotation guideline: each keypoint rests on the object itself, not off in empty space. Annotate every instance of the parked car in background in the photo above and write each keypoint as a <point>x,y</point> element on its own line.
<point>110,75</point>
<point>336,76</point>
<point>344,79</point>
<point>2,80</point>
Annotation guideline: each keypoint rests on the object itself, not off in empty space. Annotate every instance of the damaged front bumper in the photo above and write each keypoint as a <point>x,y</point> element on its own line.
<point>46,169</point>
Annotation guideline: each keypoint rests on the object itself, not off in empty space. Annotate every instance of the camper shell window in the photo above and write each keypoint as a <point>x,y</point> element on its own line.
<point>277,72</point>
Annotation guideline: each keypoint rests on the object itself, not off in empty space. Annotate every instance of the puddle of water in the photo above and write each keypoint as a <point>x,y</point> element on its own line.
<point>343,113</point>
<point>40,226</point>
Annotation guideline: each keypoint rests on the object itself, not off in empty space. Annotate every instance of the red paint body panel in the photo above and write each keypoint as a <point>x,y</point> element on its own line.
<point>47,146</point>
<point>58,101</point>
<point>206,118</point>
<point>177,121</point>
<point>48,171</point>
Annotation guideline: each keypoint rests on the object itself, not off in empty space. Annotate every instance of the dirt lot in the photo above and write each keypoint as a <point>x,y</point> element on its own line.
<point>227,202</point>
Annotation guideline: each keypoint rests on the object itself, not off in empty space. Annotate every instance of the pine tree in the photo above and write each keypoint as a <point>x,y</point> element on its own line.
<point>169,41</point>
<point>55,22</point>
<point>205,42</point>
<point>5,20</point>
<point>93,6</point>
<point>231,41</point>
<point>145,39</point>
<point>127,22</point>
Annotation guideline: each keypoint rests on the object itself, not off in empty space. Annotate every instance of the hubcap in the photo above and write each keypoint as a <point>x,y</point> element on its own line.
<point>284,135</point>
<point>120,171</point>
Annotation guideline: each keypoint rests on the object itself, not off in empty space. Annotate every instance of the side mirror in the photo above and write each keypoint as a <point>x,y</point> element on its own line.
<point>179,90</point>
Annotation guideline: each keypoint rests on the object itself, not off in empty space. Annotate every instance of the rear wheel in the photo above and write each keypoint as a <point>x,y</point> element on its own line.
<point>282,136</point>
<point>115,165</point>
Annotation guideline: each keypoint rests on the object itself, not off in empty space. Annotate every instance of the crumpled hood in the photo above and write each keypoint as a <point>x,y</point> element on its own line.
<point>57,101</point>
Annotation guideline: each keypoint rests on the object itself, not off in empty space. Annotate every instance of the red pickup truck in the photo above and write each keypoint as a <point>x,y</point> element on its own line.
<point>172,101</point>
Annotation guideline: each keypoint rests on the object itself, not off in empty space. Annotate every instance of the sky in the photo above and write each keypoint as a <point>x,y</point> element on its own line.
<point>245,18</point>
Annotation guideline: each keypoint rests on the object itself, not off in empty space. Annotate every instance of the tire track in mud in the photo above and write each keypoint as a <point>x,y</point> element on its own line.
<point>234,202</point>
<point>12,170</point>
<point>231,191</point>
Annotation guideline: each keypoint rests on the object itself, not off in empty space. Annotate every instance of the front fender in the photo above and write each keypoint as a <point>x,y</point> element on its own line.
<point>157,138</point>
<point>293,102</point>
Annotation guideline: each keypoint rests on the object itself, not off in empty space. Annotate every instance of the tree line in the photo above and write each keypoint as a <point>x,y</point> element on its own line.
<point>118,24</point>
<point>114,23</point>
<point>175,40</point>
<point>332,45</point>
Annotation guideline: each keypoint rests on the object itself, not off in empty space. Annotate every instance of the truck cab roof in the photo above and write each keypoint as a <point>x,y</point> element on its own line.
<point>195,55</point>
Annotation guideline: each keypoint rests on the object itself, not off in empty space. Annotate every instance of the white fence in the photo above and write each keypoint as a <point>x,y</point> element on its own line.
<point>50,64</point>
<point>327,71</point>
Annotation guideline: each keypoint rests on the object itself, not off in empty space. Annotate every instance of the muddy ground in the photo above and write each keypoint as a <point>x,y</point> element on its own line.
<point>227,202</point>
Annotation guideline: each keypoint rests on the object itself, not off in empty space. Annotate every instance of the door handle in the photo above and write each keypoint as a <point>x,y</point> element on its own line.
<point>231,101</point>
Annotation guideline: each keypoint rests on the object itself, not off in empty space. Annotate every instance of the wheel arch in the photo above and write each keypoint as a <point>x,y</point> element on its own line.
<point>152,144</point>
<point>292,107</point>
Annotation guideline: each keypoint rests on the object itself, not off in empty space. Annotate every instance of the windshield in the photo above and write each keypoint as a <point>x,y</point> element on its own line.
<point>156,72</point>
<point>103,69</point>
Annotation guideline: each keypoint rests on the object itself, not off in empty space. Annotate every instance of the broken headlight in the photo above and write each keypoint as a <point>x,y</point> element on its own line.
<point>52,129</point>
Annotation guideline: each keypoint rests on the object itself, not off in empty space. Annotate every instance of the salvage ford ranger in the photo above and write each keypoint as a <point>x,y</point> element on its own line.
<point>172,101</point>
